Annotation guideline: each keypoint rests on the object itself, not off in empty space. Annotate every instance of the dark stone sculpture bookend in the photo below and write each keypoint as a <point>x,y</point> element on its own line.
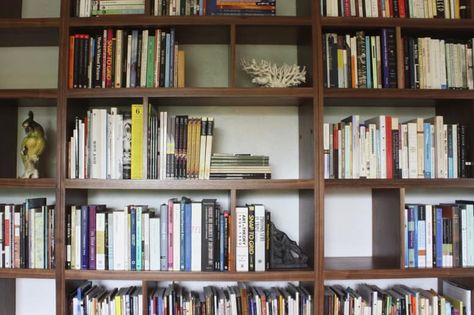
<point>284,252</point>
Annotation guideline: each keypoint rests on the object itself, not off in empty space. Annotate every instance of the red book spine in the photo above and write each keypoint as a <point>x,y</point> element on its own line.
<point>347,7</point>
<point>92,243</point>
<point>401,8</point>
<point>388,139</point>
<point>108,68</point>
<point>390,8</point>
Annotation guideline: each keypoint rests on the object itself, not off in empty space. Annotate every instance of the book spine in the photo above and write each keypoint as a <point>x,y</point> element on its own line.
<point>137,142</point>
<point>84,229</point>
<point>187,236</point>
<point>164,237</point>
<point>92,237</point>
<point>133,238</point>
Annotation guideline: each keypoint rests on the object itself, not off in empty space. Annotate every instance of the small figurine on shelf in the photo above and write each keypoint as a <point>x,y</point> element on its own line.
<point>32,146</point>
<point>268,74</point>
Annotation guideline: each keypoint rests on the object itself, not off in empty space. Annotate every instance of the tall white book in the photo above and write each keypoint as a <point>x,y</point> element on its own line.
<point>196,236</point>
<point>242,246</point>
<point>176,236</point>
<point>382,148</point>
<point>259,238</point>
<point>458,292</point>
<point>155,243</point>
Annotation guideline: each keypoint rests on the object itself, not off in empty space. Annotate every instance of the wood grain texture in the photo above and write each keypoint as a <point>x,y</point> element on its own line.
<point>28,183</point>
<point>413,94</point>
<point>7,298</point>
<point>352,23</point>
<point>190,276</point>
<point>30,23</point>
<point>400,183</point>
<point>274,184</point>
<point>28,93</point>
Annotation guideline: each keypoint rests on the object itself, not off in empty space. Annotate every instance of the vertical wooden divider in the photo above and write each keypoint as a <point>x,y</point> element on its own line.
<point>232,243</point>
<point>61,294</point>
<point>400,62</point>
<point>7,298</point>
<point>402,228</point>
<point>233,56</point>
<point>145,292</point>
<point>318,116</point>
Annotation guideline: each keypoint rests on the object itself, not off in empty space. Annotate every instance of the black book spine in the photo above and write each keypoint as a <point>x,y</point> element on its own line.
<point>397,171</point>
<point>82,51</point>
<point>464,9</point>
<point>416,64</point>
<point>76,61</point>
<point>208,239</point>
<point>139,60</point>
<point>22,236</point>
<point>217,239</point>
<point>462,148</point>
<point>184,148</point>
<point>406,63</point>
<point>177,139</point>
<point>226,240</point>
<point>162,57</point>
<point>251,237</point>
<point>333,62</point>
<point>440,9</point>
<point>124,58</point>
<point>85,74</point>
<point>325,60</point>
<point>396,8</point>
<point>348,63</point>
<point>68,239</point>
<point>267,239</point>
<point>164,7</point>
<point>392,58</point>
<point>98,62</point>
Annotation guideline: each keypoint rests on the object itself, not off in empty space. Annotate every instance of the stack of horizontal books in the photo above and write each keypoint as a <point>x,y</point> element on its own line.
<point>240,166</point>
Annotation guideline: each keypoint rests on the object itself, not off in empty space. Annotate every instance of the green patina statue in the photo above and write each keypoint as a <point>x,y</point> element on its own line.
<point>32,146</point>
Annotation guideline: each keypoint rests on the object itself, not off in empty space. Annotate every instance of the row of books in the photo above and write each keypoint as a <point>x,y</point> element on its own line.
<point>183,235</point>
<point>179,7</point>
<point>96,300</point>
<point>88,8</point>
<point>447,9</point>
<point>360,61</point>
<point>140,145</point>
<point>431,63</point>
<point>27,233</point>
<point>125,59</point>
<point>241,7</point>
<point>398,299</point>
<point>439,235</point>
<point>236,300</point>
<point>240,166</point>
<point>382,147</point>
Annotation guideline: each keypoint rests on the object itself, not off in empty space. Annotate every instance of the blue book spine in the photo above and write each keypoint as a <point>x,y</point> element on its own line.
<point>415,219</point>
<point>427,146</point>
<point>164,237</point>
<point>181,236</point>
<point>187,236</point>
<point>385,72</point>
<point>439,238</point>
<point>211,7</point>
<point>167,59</point>
<point>221,241</point>
<point>172,44</point>
<point>368,61</point>
<point>405,233</point>
<point>139,238</point>
<point>133,239</point>
<point>201,7</point>
<point>84,237</point>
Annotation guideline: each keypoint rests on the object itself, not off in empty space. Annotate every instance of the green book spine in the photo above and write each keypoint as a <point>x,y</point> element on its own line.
<point>151,62</point>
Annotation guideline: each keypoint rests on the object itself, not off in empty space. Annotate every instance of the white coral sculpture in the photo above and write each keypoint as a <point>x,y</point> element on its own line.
<point>268,74</point>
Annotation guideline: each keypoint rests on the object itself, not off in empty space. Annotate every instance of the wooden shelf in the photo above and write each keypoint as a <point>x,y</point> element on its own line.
<point>28,93</point>
<point>354,23</point>
<point>30,23</point>
<point>413,94</point>
<point>342,268</point>
<point>400,183</point>
<point>27,183</point>
<point>190,276</point>
<point>140,20</point>
<point>182,184</point>
<point>192,92</point>
<point>27,273</point>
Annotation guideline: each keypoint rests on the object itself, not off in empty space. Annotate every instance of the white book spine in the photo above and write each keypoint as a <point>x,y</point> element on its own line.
<point>196,236</point>
<point>464,241</point>
<point>155,244</point>
<point>383,147</point>
<point>78,239</point>
<point>259,238</point>
<point>455,151</point>
<point>242,246</point>
<point>119,240</point>
<point>146,241</point>
<point>176,236</point>
<point>110,147</point>
<point>470,235</point>
<point>72,158</point>
<point>119,146</point>
<point>100,248</point>
<point>412,151</point>
<point>81,154</point>
<point>429,236</point>
<point>129,60</point>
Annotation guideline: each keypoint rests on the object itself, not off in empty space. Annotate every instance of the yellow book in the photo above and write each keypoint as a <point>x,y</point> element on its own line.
<point>118,305</point>
<point>456,304</point>
<point>137,141</point>
<point>181,66</point>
